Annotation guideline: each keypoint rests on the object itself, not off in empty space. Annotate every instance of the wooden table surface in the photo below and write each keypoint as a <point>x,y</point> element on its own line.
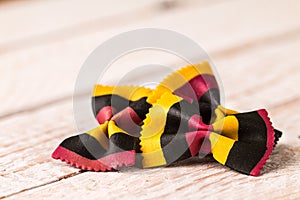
<point>255,46</point>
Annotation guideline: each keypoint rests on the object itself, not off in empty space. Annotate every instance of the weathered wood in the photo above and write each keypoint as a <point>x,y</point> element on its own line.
<point>58,16</point>
<point>27,141</point>
<point>60,20</point>
<point>254,47</point>
<point>269,64</point>
<point>18,174</point>
<point>202,179</point>
<point>26,130</point>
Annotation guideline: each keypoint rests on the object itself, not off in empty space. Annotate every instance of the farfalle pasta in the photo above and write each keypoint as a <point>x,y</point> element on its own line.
<point>181,118</point>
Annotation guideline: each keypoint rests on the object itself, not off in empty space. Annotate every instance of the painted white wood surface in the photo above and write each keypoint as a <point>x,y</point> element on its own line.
<point>255,47</point>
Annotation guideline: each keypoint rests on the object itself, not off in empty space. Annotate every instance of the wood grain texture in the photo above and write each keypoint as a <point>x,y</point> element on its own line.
<point>255,49</point>
<point>58,16</point>
<point>27,141</point>
<point>198,179</point>
<point>200,176</point>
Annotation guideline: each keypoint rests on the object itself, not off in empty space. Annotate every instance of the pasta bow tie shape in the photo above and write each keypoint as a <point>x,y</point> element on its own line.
<point>179,119</point>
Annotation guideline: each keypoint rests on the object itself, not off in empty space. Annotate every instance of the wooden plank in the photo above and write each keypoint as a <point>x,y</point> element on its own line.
<point>27,141</point>
<point>268,70</point>
<point>273,18</point>
<point>232,24</point>
<point>264,77</point>
<point>30,168</point>
<point>286,117</point>
<point>202,179</point>
<point>67,54</point>
<point>29,129</point>
<point>59,20</point>
<point>21,21</point>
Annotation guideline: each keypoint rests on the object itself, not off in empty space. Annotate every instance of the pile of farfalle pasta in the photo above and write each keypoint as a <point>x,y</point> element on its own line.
<point>181,118</point>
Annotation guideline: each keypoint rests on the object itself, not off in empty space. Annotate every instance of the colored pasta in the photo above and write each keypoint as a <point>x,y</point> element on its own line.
<point>179,119</point>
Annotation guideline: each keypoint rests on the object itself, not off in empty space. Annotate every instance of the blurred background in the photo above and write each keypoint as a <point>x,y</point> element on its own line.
<point>254,45</point>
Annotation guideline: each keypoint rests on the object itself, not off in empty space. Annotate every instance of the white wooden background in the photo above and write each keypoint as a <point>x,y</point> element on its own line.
<point>254,44</point>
